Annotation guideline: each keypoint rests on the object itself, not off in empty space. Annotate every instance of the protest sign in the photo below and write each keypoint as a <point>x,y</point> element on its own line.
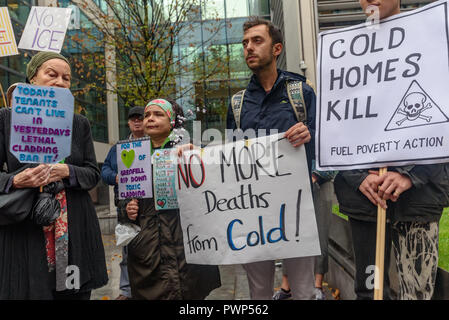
<point>164,179</point>
<point>41,124</point>
<point>134,169</point>
<point>245,202</point>
<point>8,46</point>
<point>383,97</point>
<point>45,29</point>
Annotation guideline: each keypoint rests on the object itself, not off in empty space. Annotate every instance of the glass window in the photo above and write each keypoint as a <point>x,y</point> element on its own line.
<point>259,8</point>
<point>19,10</point>
<point>212,9</point>
<point>237,64</point>
<point>236,8</point>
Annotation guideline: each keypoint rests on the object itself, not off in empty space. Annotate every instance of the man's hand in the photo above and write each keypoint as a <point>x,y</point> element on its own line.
<point>369,188</point>
<point>392,185</point>
<point>32,177</point>
<point>132,209</point>
<point>298,135</point>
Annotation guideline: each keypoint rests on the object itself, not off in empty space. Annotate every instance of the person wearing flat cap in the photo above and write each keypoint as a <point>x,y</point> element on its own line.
<point>38,256</point>
<point>109,175</point>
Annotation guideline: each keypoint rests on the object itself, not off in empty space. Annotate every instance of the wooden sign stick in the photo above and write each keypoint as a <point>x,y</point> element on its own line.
<point>3,96</point>
<point>380,248</point>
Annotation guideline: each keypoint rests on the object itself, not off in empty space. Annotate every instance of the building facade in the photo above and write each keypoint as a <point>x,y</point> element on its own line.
<point>215,32</point>
<point>308,18</point>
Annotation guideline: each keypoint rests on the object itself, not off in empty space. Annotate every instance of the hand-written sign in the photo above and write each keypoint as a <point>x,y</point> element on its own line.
<point>164,179</point>
<point>134,169</point>
<point>8,46</point>
<point>383,98</point>
<point>45,29</point>
<point>41,124</point>
<point>246,201</point>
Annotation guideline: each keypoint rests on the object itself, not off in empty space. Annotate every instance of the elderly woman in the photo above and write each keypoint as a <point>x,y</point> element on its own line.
<point>36,261</point>
<point>156,262</point>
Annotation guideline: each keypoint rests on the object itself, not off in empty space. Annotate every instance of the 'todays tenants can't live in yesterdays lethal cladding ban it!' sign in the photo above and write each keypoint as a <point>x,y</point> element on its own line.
<point>246,201</point>
<point>383,92</point>
<point>41,124</point>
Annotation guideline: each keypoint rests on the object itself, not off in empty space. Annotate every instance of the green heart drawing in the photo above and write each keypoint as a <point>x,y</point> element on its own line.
<point>128,158</point>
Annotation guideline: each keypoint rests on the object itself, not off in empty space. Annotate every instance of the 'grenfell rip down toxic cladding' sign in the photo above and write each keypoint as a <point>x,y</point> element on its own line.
<point>246,201</point>
<point>41,124</point>
<point>383,97</point>
<point>134,169</point>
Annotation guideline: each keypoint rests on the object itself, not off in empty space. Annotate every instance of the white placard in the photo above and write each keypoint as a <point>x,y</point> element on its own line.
<point>245,202</point>
<point>383,92</point>
<point>45,29</point>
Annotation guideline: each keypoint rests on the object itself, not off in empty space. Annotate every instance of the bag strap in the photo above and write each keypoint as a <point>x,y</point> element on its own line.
<point>237,104</point>
<point>296,97</point>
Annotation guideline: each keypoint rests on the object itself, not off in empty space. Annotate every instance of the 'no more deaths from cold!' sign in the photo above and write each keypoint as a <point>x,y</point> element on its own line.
<point>383,92</point>
<point>41,124</point>
<point>246,201</point>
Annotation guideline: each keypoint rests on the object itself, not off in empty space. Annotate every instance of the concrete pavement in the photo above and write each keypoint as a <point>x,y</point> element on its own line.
<point>233,278</point>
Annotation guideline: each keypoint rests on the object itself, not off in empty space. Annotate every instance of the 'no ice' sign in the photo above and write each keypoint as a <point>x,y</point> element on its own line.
<point>45,29</point>
<point>383,92</point>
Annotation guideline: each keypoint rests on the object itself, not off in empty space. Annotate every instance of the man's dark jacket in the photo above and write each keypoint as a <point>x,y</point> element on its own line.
<point>424,202</point>
<point>109,171</point>
<point>273,110</point>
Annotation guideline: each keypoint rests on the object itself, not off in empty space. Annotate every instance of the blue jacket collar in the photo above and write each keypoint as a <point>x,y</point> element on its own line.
<point>282,77</point>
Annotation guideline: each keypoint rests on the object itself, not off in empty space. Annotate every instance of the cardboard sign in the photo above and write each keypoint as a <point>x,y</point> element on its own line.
<point>45,29</point>
<point>41,124</point>
<point>134,169</point>
<point>164,179</point>
<point>383,92</point>
<point>8,46</point>
<point>245,202</point>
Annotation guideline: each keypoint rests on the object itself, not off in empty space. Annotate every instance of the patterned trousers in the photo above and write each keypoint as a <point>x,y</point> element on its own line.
<point>415,246</point>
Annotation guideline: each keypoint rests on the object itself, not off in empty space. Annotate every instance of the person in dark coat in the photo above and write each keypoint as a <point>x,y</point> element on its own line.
<point>110,176</point>
<point>34,264</point>
<point>414,197</point>
<point>156,261</point>
<point>265,107</point>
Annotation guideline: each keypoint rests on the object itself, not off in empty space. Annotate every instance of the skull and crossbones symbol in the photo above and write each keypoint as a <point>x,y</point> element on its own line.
<point>414,106</point>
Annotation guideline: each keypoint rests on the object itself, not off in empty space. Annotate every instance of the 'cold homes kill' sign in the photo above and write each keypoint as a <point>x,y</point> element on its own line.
<point>383,96</point>
<point>246,201</point>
